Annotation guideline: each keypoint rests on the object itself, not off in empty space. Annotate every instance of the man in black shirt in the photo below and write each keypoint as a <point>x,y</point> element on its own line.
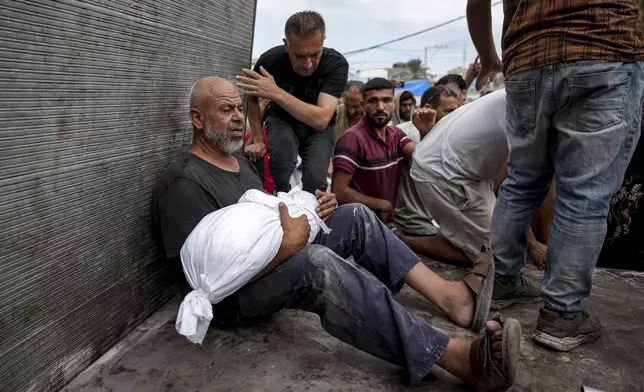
<point>303,80</point>
<point>352,306</point>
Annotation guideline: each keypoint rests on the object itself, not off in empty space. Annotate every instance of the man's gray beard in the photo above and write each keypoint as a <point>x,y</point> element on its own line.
<point>222,139</point>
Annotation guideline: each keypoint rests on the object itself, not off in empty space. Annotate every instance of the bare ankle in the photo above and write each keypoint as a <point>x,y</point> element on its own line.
<point>455,359</point>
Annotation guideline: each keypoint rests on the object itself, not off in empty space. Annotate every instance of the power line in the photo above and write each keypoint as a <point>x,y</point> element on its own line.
<point>402,51</point>
<point>412,34</point>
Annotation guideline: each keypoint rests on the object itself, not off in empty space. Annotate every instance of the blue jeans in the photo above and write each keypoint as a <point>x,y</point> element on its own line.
<point>353,306</point>
<point>578,121</point>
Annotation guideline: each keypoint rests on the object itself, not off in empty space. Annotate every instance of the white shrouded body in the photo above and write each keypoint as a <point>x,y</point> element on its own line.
<point>232,245</point>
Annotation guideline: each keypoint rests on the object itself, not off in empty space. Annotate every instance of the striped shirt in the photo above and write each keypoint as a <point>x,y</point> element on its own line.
<point>376,164</point>
<point>546,32</point>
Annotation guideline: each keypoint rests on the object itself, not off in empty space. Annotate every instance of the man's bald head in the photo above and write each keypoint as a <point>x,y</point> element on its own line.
<point>216,113</point>
<point>354,86</point>
<point>208,88</point>
<point>353,102</point>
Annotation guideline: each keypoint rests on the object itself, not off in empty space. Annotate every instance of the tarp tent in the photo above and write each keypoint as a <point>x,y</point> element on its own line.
<point>416,87</point>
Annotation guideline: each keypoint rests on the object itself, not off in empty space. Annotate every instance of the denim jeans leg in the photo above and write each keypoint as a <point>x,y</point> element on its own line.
<point>353,307</point>
<point>315,150</point>
<point>356,231</point>
<point>598,128</point>
<point>531,142</point>
<point>282,145</point>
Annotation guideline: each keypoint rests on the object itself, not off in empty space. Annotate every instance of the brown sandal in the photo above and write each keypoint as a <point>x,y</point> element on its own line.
<point>487,375</point>
<point>481,291</point>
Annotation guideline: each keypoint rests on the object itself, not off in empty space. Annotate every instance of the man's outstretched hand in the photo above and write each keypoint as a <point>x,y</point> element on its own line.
<point>261,85</point>
<point>537,254</point>
<point>386,211</point>
<point>327,204</point>
<point>473,71</point>
<point>486,73</point>
<point>424,120</point>
<point>254,151</point>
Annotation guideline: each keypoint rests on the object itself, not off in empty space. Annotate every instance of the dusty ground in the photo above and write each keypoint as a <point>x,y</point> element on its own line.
<point>291,352</point>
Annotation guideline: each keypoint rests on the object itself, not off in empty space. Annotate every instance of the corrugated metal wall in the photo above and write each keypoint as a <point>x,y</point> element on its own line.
<point>93,106</point>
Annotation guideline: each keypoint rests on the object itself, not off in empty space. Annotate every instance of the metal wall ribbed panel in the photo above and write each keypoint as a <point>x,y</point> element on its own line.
<point>93,106</point>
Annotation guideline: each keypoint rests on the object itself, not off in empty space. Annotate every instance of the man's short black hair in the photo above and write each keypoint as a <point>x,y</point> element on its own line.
<point>452,79</point>
<point>405,96</point>
<point>433,95</point>
<point>305,24</point>
<point>377,84</point>
<point>354,86</point>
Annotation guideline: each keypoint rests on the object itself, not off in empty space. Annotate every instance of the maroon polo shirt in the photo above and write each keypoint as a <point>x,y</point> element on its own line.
<point>376,164</point>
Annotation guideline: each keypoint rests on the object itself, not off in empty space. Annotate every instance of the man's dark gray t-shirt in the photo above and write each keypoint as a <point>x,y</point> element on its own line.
<point>190,189</point>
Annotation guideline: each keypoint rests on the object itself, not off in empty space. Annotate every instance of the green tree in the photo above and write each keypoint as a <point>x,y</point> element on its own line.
<point>416,68</point>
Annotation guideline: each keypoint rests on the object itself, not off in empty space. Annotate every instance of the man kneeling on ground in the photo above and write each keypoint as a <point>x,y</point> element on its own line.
<point>412,217</point>
<point>455,168</point>
<point>352,306</point>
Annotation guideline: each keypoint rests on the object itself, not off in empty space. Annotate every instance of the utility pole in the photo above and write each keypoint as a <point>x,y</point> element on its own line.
<point>427,48</point>
<point>425,63</point>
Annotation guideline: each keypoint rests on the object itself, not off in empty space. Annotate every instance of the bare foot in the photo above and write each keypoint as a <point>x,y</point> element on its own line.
<point>460,356</point>
<point>496,330</point>
<point>537,254</point>
<point>460,305</point>
<point>475,380</point>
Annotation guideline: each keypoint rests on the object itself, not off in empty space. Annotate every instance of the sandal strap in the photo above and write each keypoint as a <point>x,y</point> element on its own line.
<point>479,270</point>
<point>481,362</point>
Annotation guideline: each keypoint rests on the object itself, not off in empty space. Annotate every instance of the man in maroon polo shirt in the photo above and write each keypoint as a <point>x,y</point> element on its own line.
<point>368,159</point>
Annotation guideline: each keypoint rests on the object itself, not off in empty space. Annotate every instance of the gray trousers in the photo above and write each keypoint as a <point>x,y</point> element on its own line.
<point>353,307</point>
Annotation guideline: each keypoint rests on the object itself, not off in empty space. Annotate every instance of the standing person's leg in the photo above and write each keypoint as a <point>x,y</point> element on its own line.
<point>531,141</point>
<point>360,311</point>
<point>543,217</point>
<point>356,231</point>
<point>315,150</point>
<point>598,127</point>
<point>282,146</point>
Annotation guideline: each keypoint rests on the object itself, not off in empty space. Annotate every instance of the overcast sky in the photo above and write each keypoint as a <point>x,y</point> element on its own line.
<point>355,24</point>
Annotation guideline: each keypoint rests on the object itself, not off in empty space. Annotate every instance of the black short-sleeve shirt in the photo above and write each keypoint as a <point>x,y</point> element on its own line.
<point>190,189</point>
<point>330,77</point>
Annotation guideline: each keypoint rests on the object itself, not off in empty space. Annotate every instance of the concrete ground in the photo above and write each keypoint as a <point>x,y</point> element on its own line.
<point>291,352</point>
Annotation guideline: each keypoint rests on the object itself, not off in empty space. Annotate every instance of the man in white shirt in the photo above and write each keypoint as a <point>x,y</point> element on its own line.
<point>412,217</point>
<point>457,168</point>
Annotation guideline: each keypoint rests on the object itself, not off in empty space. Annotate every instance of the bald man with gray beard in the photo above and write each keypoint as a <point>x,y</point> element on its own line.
<point>356,308</point>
